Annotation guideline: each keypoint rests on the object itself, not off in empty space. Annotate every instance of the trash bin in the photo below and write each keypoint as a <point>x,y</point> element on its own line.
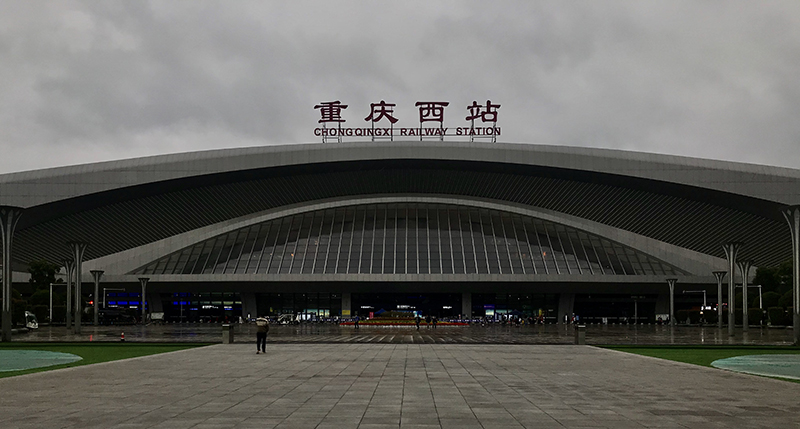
<point>580,335</point>
<point>227,333</point>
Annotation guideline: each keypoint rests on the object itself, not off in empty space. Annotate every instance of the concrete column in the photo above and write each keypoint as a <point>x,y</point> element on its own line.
<point>143,281</point>
<point>466,305</point>
<point>744,269</point>
<point>78,248</point>
<point>719,275</point>
<point>9,216</point>
<point>731,250</point>
<point>792,215</point>
<point>69,268</point>
<point>347,311</point>
<point>566,306</point>
<point>671,284</point>
<point>96,274</point>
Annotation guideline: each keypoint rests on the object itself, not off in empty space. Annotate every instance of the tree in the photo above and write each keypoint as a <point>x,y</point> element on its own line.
<point>42,273</point>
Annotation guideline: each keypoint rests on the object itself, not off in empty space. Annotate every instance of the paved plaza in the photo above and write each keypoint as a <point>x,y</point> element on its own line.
<point>396,386</point>
<point>476,334</point>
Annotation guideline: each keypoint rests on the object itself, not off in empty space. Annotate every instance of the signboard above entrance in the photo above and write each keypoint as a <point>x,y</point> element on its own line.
<point>382,122</point>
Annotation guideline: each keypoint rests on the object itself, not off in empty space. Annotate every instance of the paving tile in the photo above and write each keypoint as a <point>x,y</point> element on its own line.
<point>396,385</point>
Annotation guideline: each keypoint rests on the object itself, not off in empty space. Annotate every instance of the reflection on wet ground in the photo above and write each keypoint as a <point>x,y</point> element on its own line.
<point>326,333</point>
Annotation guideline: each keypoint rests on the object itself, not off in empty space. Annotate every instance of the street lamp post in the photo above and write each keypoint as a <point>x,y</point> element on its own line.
<point>671,284</point>
<point>719,275</point>
<point>104,294</point>
<point>704,299</point>
<point>143,281</point>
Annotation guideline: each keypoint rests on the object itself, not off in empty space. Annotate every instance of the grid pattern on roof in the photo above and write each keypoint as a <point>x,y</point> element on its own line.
<point>408,238</point>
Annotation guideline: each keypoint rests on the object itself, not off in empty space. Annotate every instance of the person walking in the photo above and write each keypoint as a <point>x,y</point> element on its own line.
<point>417,320</point>
<point>262,325</point>
<point>355,321</point>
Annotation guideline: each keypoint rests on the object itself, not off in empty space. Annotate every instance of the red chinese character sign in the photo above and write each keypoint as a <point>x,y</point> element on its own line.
<point>331,111</point>
<point>378,111</point>
<point>382,113</point>
<point>487,113</point>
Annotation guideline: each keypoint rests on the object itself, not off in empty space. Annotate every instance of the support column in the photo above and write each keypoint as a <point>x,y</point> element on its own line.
<point>719,275</point>
<point>143,281</point>
<point>671,284</point>
<point>78,248</point>
<point>347,311</point>
<point>9,216</point>
<point>744,269</point>
<point>466,305</point>
<point>731,250</point>
<point>96,274</point>
<point>792,215</point>
<point>69,267</point>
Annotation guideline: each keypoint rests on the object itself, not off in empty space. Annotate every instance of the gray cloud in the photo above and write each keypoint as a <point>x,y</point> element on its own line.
<point>90,81</point>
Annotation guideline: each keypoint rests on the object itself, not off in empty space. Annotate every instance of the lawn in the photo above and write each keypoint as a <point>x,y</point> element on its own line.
<point>92,352</point>
<point>703,355</point>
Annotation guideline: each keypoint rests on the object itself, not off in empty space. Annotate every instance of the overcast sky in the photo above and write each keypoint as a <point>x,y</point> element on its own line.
<point>102,80</point>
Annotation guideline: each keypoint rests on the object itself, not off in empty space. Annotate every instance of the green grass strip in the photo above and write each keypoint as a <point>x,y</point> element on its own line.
<point>92,352</point>
<point>704,355</point>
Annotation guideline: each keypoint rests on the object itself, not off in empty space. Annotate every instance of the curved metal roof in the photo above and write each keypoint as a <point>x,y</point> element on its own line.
<point>691,203</point>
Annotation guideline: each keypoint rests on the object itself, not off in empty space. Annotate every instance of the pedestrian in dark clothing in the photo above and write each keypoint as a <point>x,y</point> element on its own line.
<point>435,321</point>
<point>428,321</point>
<point>262,325</point>
<point>417,320</point>
<point>355,322</point>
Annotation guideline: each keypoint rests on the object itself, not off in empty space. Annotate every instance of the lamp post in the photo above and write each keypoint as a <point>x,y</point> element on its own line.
<point>143,281</point>
<point>719,275</point>
<point>96,274</point>
<point>744,268</point>
<point>104,294</point>
<point>703,308</point>
<point>731,250</point>
<point>671,284</point>
<point>760,301</point>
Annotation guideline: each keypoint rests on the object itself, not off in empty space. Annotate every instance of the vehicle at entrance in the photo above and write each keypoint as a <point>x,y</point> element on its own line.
<point>31,322</point>
<point>288,319</point>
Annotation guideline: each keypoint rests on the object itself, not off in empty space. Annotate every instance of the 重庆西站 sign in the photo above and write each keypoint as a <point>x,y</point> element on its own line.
<point>382,122</point>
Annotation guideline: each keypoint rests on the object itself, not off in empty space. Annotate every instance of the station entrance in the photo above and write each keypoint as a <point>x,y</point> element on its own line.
<point>434,304</point>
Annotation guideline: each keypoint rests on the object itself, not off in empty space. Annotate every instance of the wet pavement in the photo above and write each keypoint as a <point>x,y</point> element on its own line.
<point>399,386</point>
<point>328,333</point>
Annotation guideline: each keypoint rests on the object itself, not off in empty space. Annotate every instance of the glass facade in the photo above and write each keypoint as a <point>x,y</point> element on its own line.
<point>308,306</point>
<point>408,238</point>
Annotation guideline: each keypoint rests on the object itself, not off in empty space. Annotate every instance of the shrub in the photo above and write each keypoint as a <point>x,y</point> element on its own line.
<point>777,316</point>
<point>770,299</point>
<point>18,307</point>
<point>754,316</point>
<point>41,312</point>
<point>786,300</point>
<point>59,314</point>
